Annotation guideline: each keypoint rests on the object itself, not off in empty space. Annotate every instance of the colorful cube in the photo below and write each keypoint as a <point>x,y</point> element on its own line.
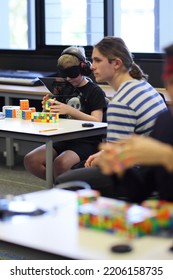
<point>26,114</point>
<point>44,117</point>
<point>24,104</point>
<point>49,103</point>
<point>32,109</point>
<point>152,217</point>
<point>103,214</point>
<point>86,196</point>
<point>10,113</point>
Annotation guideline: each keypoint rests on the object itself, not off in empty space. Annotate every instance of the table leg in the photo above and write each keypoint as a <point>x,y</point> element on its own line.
<point>7,100</point>
<point>10,152</point>
<point>49,164</point>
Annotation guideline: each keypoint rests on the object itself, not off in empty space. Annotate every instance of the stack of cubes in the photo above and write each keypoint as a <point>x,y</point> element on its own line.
<point>23,111</point>
<point>29,113</point>
<point>26,110</point>
<point>111,215</point>
<point>46,117</point>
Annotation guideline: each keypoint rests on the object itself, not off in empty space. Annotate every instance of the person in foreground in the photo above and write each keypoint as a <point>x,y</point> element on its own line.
<point>86,102</point>
<point>135,168</point>
<point>136,150</point>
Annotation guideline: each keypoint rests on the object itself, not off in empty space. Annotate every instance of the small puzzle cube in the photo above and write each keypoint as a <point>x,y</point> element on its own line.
<point>24,104</point>
<point>26,114</point>
<point>49,103</point>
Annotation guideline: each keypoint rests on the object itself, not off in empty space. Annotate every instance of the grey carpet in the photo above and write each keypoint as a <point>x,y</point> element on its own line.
<point>16,180</point>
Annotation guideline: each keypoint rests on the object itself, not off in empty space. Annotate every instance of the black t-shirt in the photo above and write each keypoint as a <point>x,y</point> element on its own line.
<point>163,131</point>
<point>163,128</point>
<point>138,184</point>
<point>87,98</point>
<point>157,178</point>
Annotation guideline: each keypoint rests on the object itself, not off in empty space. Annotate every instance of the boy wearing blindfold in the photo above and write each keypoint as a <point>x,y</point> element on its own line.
<point>85,102</point>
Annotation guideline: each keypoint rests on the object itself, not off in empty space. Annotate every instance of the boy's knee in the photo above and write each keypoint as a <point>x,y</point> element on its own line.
<point>26,161</point>
<point>29,161</point>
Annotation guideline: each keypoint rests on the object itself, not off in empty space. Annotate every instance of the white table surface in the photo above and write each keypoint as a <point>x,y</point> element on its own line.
<point>13,128</point>
<point>63,126</point>
<point>58,232</point>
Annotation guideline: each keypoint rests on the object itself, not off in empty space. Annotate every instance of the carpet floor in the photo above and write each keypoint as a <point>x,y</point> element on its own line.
<point>16,180</point>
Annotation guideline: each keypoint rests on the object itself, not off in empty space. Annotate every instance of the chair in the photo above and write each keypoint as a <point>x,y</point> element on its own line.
<point>73,185</point>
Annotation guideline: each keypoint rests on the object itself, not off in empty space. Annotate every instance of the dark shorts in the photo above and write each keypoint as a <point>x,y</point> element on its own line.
<point>82,149</point>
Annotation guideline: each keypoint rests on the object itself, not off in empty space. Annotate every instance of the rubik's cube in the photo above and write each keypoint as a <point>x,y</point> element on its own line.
<point>18,113</point>
<point>25,110</point>
<point>87,196</point>
<point>10,113</point>
<point>49,103</point>
<point>162,217</point>
<point>26,114</point>
<point>32,109</point>
<point>103,214</point>
<point>44,117</point>
<point>24,104</point>
<point>151,217</point>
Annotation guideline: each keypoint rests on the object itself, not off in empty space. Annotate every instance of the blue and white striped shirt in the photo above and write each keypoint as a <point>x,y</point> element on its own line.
<point>133,109</point>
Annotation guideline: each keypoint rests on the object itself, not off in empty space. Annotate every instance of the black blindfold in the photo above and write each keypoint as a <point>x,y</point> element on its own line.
<point>71,72</point>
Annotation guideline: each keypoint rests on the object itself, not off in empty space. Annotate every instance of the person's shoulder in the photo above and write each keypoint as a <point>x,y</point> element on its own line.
<point>141,82</point>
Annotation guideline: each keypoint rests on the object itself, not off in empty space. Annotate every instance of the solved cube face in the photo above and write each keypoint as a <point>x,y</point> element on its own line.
<point>10,113</point>
<point>24,104</point>
<point>18,113</point>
